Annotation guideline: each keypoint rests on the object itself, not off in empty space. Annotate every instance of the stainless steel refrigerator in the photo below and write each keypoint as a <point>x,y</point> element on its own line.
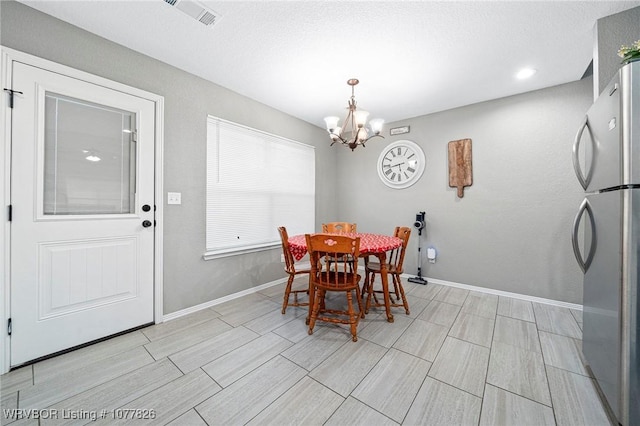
<point>607,163</point>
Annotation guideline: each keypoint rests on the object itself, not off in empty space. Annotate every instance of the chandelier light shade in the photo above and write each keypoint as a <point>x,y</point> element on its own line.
<point>354,131</point>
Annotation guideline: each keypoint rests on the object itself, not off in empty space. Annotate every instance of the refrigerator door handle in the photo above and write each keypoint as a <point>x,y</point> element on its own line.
<point>584,180</point>
<point>584,264</point>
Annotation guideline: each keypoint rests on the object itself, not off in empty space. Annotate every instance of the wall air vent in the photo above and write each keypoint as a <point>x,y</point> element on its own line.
<point>196,10</point>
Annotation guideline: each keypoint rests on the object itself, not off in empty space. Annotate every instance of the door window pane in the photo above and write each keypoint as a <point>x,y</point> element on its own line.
<point>89,158</point>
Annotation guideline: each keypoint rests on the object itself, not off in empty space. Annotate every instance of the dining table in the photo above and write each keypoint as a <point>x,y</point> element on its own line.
<point>370,245</point>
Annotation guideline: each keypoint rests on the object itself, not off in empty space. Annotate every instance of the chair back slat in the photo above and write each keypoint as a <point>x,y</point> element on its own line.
<point>395,253</point>
<point>338,227</point>
<point>327,252</point>
<point>394,269</point>
<point>290,268</point>
<point>403,233</point>
<point>289,262</point>
<point>328,273</point>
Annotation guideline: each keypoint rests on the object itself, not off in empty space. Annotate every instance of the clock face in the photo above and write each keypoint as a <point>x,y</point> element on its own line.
<point>401,164</point>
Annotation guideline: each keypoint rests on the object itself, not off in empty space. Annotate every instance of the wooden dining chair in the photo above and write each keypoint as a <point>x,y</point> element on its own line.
<point>394,268</point>
<point>326,249</point>
<point>290,268</point>
<point>338,227</point>
<point>396,232</point>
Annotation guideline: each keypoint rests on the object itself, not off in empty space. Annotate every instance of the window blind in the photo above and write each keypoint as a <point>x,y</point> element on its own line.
<point>256,182</point>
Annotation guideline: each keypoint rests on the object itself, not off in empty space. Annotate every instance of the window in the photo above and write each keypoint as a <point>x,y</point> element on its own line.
<point>255,182</point>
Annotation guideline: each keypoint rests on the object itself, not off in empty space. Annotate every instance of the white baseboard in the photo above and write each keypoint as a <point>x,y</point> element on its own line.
<point>211,303</point>
<point>502,293</point>
<point>205,305</point>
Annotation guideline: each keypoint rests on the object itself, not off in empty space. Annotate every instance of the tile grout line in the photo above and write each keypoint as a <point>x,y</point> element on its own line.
<point>546,372</point>
<point>411,322</point>
<point>520,396</point>
<point>373,408</point>
<point>416,395</point>
<point>486,373</point>
<point>326,387</point>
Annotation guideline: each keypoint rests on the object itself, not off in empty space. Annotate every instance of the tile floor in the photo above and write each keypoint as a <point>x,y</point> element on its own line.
<point>460,358</point>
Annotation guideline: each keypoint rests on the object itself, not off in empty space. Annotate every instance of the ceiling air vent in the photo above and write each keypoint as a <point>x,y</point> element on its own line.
<point>207,18</point>
<point>196,10</point>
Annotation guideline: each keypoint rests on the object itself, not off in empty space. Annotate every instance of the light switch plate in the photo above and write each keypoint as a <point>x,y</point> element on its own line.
<point>174,198</point>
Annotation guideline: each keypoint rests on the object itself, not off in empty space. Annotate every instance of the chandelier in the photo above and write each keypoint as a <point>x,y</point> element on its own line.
<point>353,132</point>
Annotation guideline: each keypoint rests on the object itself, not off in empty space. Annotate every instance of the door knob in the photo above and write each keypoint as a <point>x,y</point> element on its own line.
<point>147,223</point>
<point>146,208</point>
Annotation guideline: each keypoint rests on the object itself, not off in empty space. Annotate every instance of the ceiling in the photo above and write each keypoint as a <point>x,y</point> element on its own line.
<point>411,57</point>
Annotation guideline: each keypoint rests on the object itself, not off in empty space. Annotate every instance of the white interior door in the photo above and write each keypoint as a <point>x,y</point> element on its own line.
<point>82,188</point>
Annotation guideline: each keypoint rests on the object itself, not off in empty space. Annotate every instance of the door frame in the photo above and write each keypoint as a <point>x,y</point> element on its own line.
<point>8,56</point>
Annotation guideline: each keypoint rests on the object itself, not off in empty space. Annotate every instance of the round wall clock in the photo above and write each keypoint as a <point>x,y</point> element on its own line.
<point>401,164</point>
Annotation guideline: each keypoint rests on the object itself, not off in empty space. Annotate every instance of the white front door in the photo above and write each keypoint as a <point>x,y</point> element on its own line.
<point>82,196</point>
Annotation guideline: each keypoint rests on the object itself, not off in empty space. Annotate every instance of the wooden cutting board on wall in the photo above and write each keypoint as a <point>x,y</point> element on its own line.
<point>460,169</point>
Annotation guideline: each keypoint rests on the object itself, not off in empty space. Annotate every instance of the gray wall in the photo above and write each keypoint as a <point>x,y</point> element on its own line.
<point>511,231</point>
<point>612,32</point>
<point>188,280</point>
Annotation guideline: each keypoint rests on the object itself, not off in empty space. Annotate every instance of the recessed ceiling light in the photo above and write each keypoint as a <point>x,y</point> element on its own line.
<point>93,158</point>
<point>525,73</point>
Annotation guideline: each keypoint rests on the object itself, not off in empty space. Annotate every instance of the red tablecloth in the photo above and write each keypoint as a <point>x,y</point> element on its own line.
<point>369,244</point>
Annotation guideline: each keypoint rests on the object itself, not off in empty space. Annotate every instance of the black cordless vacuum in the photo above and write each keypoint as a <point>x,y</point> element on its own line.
<point>419,224</point>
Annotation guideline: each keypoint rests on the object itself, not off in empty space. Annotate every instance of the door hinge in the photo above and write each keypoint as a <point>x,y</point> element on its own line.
<point>11,93</point>
<point>9,326</point>
<point>10,212</point>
